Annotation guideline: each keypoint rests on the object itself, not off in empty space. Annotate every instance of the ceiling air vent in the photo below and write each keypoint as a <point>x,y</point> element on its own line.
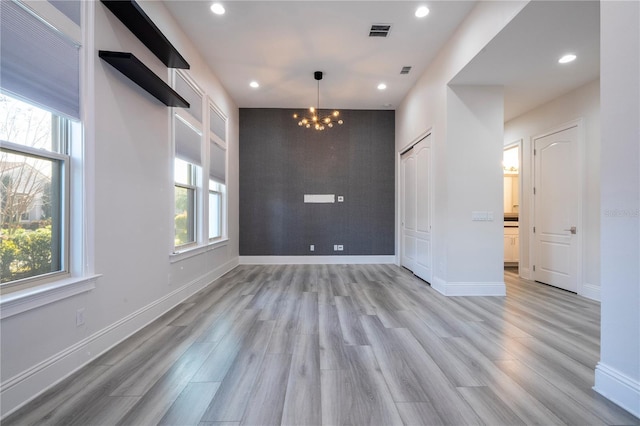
<point>379,30</point>
<point>405,70</point>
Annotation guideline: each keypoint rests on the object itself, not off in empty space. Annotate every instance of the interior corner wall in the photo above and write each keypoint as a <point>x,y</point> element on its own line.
<point>280,162</point>
<point>618,372</point>
<point>130,145</point>
<point>475,255</point>
<point>424,109</point>
<point>584,103</point>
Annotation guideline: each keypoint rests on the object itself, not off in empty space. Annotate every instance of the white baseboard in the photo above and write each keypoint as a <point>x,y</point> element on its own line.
<point>619,388</point>
<point>524,273</point>
<point>469,288</point>
<point>29,384</point>
<point>316,260</point>
<point>590,291</point>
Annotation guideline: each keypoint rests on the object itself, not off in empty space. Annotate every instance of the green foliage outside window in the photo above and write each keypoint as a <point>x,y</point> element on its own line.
<point>25,253</point>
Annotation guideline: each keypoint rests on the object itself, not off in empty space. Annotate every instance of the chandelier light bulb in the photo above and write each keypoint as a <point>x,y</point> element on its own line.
<point>295,115</point>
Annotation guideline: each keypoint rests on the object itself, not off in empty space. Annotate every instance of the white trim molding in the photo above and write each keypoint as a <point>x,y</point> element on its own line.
<point>316,260</point>
<point>32,382</point>
<point>618,387</point>
<point>22,301</point>
<point>590,291</point>
<point>469,288</point>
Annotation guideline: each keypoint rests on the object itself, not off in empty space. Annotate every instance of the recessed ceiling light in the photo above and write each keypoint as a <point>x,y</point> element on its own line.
<point>217,8</point>
<point>567,58</point>
<point>422,11</point>
<point>254,84</point>
<point>382,86</point>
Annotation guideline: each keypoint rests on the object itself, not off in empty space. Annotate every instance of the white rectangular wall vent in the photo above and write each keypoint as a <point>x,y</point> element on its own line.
<point>319,198</point>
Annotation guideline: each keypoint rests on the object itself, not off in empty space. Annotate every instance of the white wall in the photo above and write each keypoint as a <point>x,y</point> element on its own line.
<point>618,372</point>
<point>425,108</point>
<point>131,229</point>
<point>583,102</point>
<point>475,259</point>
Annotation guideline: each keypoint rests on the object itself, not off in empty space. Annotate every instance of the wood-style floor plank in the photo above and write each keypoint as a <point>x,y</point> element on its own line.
<point>267,398</point>
<point>190,405</point>
<point>345,344</point>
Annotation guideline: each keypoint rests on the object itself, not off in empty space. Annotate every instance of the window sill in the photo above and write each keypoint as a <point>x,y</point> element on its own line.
<point>25,300</point>
<point>195,251</point>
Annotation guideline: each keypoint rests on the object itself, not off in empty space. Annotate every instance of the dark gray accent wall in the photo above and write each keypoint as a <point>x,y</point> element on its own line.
<point>280,162</point>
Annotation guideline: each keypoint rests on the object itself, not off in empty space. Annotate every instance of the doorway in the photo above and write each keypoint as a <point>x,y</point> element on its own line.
<point>511,161</point>
<point>415,206</point>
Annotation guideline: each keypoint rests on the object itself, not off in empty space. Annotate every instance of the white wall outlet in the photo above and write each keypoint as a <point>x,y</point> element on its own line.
<point>340,198</point>
<point>80,317</point>
<point>312,247</point>
<point>340,247</point>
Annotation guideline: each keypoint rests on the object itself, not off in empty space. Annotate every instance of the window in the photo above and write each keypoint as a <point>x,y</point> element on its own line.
<point>185,202</point>
<point>187,131</point>
<point>217,174</point>
<point>200,185</point>
<point>216,200</point>
<point>39,127</point>
<point>33,179</point>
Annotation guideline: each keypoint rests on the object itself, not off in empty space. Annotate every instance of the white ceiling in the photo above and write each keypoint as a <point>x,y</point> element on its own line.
<point>524,56</point>
<point>281,43</point>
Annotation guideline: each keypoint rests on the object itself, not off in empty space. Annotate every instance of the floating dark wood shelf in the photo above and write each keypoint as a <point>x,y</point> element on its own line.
<point>140,74</point>
<point>139,23</point>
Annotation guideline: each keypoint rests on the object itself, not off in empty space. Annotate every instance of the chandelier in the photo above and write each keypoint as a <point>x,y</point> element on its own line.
<point>316,119</point>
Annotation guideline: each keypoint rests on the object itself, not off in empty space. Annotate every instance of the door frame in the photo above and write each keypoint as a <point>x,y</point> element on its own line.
<point>520,145</point>
<point>400,192</point>
<point>581,219</point>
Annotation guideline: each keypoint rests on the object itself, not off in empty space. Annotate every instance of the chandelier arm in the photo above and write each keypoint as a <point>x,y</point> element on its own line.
<point>316,119</point>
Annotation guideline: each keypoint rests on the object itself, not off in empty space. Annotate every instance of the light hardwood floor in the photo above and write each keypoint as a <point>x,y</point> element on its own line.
<point>335,344</point>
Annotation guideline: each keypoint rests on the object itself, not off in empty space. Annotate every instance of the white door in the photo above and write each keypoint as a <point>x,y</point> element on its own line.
<point>557,209</point>
<point>408,206</point>
<point>416,209</point>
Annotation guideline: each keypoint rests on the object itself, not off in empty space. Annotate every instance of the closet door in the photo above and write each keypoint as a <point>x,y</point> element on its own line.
<point>408,207</point>
<point>415,204</point>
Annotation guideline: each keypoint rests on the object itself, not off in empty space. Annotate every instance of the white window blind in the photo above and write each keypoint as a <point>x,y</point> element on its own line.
<point>217,124</point>
<point>185,90</point>
<point>217,163</point>
<point>38,63</point>
<point>187,142</point>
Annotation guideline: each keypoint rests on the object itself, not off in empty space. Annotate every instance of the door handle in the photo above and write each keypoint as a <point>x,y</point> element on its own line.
<point>573,230</point>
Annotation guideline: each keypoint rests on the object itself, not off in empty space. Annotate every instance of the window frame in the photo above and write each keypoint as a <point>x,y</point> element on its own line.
<point>221,215</point>
<point>81,276</point>
<point>222,143</point>
<point>196,181</point>
<point>65,221</point>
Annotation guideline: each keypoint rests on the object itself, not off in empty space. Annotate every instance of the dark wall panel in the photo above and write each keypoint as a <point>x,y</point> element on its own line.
<point>280,162</point>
